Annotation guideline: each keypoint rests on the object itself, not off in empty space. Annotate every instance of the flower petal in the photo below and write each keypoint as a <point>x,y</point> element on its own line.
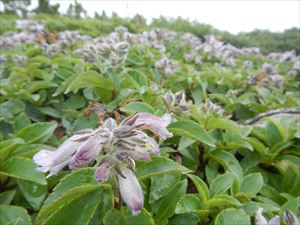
<point>131,190</point>
<point>275,221</point>
<point>156,124</point>
<point>89,149</point>
<point>259,218</point>
<point>103,172</point>
<point>110,124</point>
<point>54,161</point>
<point>290,218</point>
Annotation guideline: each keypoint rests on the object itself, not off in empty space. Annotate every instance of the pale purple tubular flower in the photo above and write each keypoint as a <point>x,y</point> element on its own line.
<point>114,148</point>
<point>131,190</point>
<point>103,172</point>
<point>54,161</point>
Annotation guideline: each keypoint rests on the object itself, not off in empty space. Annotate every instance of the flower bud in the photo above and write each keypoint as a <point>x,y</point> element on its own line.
<point>122,48</point>
<point>104,49</point>
<point>103,172</point>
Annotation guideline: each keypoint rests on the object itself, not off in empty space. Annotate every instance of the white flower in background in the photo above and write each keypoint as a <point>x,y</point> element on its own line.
<point>177,102</point>
<point>289,219</point>
<point>167,65</point>
<point>248,65</point>
<point>212,108</point>
<point>269,69</point>
<point>30,26</point>
<point>106,53</point>
<point>193,57</point>
<point>275,80</point>
<point>114,148</point>
<point>19,59</point>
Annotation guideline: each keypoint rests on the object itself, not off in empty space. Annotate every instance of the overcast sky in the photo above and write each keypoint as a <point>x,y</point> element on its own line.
<point>233,16</point>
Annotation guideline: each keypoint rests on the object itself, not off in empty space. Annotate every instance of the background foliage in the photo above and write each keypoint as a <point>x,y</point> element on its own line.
<point>217,169</point>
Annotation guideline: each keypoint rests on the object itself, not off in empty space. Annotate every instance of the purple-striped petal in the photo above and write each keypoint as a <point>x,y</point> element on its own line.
<point>155,124</point>
<point>54,161</point>
<point>259,218</point>
<point>131,190</point>
<point>275,221</point>
<point>89,149</point>
<point>103,172</point>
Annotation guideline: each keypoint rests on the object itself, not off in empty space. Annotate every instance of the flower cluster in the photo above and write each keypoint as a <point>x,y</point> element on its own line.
<point>212,108</point>
<point>193,57</point>
<point>167,65</point>
<point>107,53</point>
<point>112,149</point>
<point>176,103</point>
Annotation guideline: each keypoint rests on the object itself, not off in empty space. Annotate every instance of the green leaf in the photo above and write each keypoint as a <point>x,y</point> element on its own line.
<point>14,215</point>
<point>275,132</point>
<point>90,79</point>
<point>257,145</point>
<point>79,210</point>
<point>222,201</point>
<point>20,122</point>
<point>143,218</point>
<point>134,107</point>
<point>191,129</point>
<point>201,188</point>
<point>252,183</point>
<point>76,178</point>
<point>8,146</point>
<point>114,217</point>
<point>221,184</point>
<point>161,184</point>
<point>33,193</point>
<point>188,203</point>
<point>228,161</point>
<point>236,144</point>
<point>71,195</point>
<point>157,166</point>
<point>233,216</point>
<point>222,123</point>
<point>181,219</point>
<point>22,168</point>
<point>37,132</point>
<point>6,197</point>
<point>167,205</point>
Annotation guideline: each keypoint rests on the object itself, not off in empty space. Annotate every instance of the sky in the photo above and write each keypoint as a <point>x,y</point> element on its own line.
<point>233,16</point>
